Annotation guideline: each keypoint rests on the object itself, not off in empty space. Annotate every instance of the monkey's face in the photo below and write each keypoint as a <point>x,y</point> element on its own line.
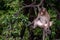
<point>43,11</point>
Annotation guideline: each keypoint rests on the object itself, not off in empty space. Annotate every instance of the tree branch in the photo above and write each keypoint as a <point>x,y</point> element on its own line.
<point>31,5</point>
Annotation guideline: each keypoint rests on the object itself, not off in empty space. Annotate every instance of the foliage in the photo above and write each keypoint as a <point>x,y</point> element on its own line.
<point>10,26</point>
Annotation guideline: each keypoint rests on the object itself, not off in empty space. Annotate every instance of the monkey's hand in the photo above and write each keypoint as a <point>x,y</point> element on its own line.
<point>51,22</point>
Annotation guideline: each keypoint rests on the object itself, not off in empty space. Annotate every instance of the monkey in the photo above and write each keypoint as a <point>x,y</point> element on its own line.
<point>43,18</point>
<point>42,21</point>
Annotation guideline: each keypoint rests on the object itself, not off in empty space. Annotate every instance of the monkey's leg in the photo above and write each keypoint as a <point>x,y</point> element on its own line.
<point>43,35</point>
<point>47,33</point>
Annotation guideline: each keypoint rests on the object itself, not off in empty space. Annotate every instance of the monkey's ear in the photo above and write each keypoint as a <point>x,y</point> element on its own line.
<point>51,22</point>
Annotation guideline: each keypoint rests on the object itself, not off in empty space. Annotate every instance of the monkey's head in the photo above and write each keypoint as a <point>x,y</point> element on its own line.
<point>43,11</point>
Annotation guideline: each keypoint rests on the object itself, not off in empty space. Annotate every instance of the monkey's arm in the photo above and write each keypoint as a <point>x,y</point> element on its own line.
<point>33,21</point>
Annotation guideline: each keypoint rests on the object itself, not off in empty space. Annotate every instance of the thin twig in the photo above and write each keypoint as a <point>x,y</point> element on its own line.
<point>41,3</point>
<point>31,5</point>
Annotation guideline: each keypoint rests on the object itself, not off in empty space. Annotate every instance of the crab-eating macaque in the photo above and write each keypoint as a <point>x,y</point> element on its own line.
<point>42,20</point>
<point>45,20</point>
